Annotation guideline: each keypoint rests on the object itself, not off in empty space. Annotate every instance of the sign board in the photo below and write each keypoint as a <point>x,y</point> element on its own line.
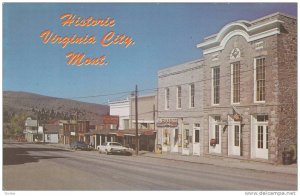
<point>237,117</point>
<point>112,120</point>
<point>167,122</point>
<point>73,133</point>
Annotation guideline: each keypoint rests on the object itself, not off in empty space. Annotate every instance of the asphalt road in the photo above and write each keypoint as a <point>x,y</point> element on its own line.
<point>42,167</point>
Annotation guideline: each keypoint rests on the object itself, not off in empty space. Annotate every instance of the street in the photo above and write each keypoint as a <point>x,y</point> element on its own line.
<point>43,167</point>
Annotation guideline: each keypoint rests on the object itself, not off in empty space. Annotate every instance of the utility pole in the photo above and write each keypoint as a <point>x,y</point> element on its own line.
<point>155,145</point>
<point>136,122</point>
<point>154,116</point>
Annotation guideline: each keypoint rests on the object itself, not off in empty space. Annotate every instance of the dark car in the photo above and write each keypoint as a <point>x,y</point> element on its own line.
<point>79,145</point>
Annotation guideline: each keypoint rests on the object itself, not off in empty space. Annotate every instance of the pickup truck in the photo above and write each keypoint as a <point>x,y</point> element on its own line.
<point>114,148</point>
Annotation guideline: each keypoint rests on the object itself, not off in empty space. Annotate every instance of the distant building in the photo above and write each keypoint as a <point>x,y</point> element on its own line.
<point>31,130</point>
<point>125,111</point>
<point>120,108</point>
<point>146,108</point>
<point>51,133</point>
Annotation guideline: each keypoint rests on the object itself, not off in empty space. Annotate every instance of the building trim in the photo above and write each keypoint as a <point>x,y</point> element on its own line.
<point>218,41</point>
<point>181,71</point>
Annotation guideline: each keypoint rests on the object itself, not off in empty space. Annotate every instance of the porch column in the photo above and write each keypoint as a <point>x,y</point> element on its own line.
<point>100,139</point>
<point>105,138</point>
<point>95,141</point>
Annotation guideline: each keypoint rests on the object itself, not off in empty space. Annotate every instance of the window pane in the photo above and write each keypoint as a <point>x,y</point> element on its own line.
<point>217,133</point>
<point>176,136</point>
<point>260,137</point>
<point>236,82</point>
<point>262,118</point>
<point>192,98</point>
<point>216,85</point>
<point>236,135</point>
<point>260,79</point>
<point>196,136</point>
<point>167,98</point>
<point>267,137</point>
<point>179,97</point>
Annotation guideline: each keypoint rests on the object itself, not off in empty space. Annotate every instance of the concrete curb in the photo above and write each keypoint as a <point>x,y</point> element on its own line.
<point>261,167</point>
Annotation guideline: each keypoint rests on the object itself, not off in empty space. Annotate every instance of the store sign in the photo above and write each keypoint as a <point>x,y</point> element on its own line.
<point>167,122</point>
<point>73,133</point>
<point>237,117</point>
<point>110,120</point>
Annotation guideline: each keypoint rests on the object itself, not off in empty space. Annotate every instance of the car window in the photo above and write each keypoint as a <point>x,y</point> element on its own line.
<point>116,144</point>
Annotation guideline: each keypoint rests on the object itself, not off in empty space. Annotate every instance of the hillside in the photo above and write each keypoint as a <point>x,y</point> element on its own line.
<point>50,107</point>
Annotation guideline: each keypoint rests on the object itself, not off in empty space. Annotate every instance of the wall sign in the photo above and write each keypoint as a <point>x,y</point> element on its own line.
<point>167,122</point>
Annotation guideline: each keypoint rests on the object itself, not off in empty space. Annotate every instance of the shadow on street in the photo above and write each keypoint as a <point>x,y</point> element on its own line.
<point>16,156</point>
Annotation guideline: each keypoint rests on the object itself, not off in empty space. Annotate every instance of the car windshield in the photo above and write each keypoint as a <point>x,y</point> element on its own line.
<point>115,144</point>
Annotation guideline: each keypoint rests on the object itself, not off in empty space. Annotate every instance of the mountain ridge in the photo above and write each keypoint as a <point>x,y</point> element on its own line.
<point>29,103</point>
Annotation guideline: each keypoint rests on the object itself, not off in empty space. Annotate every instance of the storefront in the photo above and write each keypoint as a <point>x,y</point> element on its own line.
<point>180,136</point>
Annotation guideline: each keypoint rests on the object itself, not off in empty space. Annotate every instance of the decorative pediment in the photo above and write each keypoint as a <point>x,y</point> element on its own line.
<point>243,28</point>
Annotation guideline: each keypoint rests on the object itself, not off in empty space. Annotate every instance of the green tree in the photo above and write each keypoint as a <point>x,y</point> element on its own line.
<point>17,123</point>
<point>6,116</point>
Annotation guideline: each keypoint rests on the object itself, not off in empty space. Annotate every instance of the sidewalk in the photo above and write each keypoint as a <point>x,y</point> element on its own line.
<point>227,162</point>
<point>217,161</point>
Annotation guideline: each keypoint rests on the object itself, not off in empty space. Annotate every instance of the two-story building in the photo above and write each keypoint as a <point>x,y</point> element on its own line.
<point>31,130</point>
<point>246,106</point>
<point>180,113</point>
<point>125,111</point>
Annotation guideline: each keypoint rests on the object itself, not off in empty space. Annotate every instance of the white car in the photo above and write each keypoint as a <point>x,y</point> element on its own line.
<point>114,148</point>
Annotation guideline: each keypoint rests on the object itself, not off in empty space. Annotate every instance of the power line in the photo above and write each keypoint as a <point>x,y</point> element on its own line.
<point>143,90</point>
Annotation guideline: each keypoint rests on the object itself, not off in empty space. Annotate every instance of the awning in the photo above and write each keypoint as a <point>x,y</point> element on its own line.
<point>150,132</point>
<point>120,134</point>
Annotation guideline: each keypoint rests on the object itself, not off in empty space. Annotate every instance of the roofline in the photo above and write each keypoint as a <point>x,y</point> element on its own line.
<point>205,39</point>
<point>271,15</point>
<point>186,63</point>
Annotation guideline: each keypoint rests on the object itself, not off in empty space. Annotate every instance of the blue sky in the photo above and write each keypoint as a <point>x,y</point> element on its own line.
<point>164,35</point>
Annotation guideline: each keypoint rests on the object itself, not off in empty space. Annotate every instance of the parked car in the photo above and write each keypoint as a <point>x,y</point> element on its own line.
<point>79,145</point>
<point>114,148</point>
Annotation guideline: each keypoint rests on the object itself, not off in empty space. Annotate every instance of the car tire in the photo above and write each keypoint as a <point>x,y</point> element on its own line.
<point>106,152</point>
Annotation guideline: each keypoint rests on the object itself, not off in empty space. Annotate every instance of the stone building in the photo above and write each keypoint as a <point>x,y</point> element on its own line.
<point>180,108</point>
<point>245,93</point>
<point>250,88</point>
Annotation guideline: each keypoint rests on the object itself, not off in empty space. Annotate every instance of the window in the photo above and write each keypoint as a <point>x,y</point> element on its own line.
<point>192,95</point>
<point>167,98</point>
<point>262,118</point>
<point>217,118</point>
<point>216,85</point>
<point>217,134</point>
<point>260,137</point>
<point>260,79</point>
<point>176,136</point>
<point>267,138</point>
<point>235,72</point>
<point>186,138</point>
<point>236,135</point>
<point>179,97</point>
<point>197,136</point>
